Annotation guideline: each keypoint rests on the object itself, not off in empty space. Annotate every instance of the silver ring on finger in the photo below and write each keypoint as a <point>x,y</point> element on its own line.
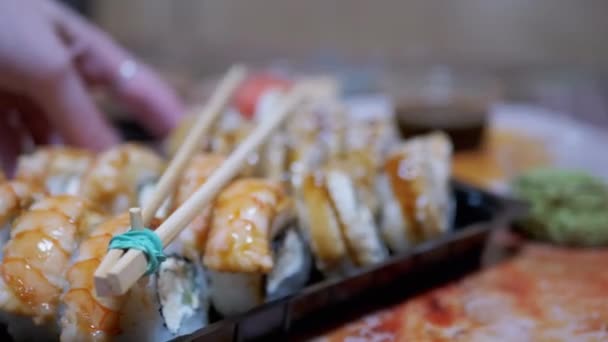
<point>127,70</point>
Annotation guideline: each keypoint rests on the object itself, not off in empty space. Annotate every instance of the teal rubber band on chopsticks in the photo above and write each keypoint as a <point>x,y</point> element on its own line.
<point>144,240</point>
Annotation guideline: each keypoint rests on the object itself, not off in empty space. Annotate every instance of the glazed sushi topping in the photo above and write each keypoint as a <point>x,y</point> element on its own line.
<point>240,235</point>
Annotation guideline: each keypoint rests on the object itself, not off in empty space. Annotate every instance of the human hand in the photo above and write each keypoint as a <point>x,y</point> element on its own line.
<point>49,57</point>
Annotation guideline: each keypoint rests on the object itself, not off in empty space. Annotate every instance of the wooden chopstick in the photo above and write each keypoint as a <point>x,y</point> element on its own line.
<point>114,255</point>
<point>137,221</point>
<point>133,264</point>
<point>191,144</point>
<point>169,179</point>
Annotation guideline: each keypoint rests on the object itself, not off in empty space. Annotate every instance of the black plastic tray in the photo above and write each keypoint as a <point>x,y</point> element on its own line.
<point>330,302</point>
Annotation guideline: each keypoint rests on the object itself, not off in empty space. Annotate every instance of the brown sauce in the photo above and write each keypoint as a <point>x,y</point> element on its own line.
<point>464,122</point>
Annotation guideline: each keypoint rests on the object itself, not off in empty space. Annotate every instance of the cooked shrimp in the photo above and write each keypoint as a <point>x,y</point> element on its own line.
<point>241,230</point>
<point>15,196</point>
<point>193,238</point>
<point>9,202</point>
<point>77,209</point>
<point>88,317</point>
<point>37,255</point>
<point>115,178</point>
<point>58,169</point>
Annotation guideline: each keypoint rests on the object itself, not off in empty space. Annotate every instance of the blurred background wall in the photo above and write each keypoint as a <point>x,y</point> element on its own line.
<point>552,50</point>
<point>491,33</point>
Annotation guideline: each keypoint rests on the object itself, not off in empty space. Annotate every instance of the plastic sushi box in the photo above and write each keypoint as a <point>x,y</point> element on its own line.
<point>327,302</point>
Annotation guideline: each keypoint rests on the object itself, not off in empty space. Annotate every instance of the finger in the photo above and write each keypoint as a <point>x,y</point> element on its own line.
<point>150,99</point>
<point>11,141</point>
<point>32,117</point>
<point>153,103</point>
<point>71,111</point>
<point>47,77</point>
<point>56,86</point>
<point>36,123</point>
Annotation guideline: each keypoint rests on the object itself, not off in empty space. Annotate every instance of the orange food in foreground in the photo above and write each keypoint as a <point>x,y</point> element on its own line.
<point>34,262</point>
<point>543,294</point>
<point>87,316</point>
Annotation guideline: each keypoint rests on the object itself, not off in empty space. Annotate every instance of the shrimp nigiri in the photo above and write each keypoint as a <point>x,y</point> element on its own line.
<point>118,176</point>
<point>36,257</point>
<point>88,317</point>
<point>155,309</point>
<point>239,240</point>
<point>247,215</point>
<point>78,210</point>
<point>57,169</point>
<point>16,196</point>
<point>191,241</point>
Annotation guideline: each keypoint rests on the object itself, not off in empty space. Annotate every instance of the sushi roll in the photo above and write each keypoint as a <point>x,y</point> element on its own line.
<point>292,264</point>
<point>165,305</point>
<point>321,225</point>
<point>303,157</point>
<point>117,177</point>
<point>247,215</point>
<point>306,151</point>
<point>338,224</point>
<point>358,227</point>
<point>176,137</point>
<point>273,159</point>
<point>36,257</point>
<point>191,241</point>
<point>87,317</point>
<point>415,191</point>
<point>183,295</point>
<point>59,170</point>
<point>225,134</point>
<point>366,147</point>
<point>272,163</point>
<point>230,131</point>
<point>159,307</point>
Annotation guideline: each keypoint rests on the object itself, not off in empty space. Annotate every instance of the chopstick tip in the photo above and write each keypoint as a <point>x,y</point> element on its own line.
<point>137,220</point>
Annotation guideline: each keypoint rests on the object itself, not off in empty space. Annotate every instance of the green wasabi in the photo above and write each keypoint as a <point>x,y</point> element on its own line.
<point>566,207</point>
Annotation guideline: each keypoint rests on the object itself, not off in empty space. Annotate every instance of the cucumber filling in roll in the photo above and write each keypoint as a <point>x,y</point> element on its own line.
<point>181,286</point>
